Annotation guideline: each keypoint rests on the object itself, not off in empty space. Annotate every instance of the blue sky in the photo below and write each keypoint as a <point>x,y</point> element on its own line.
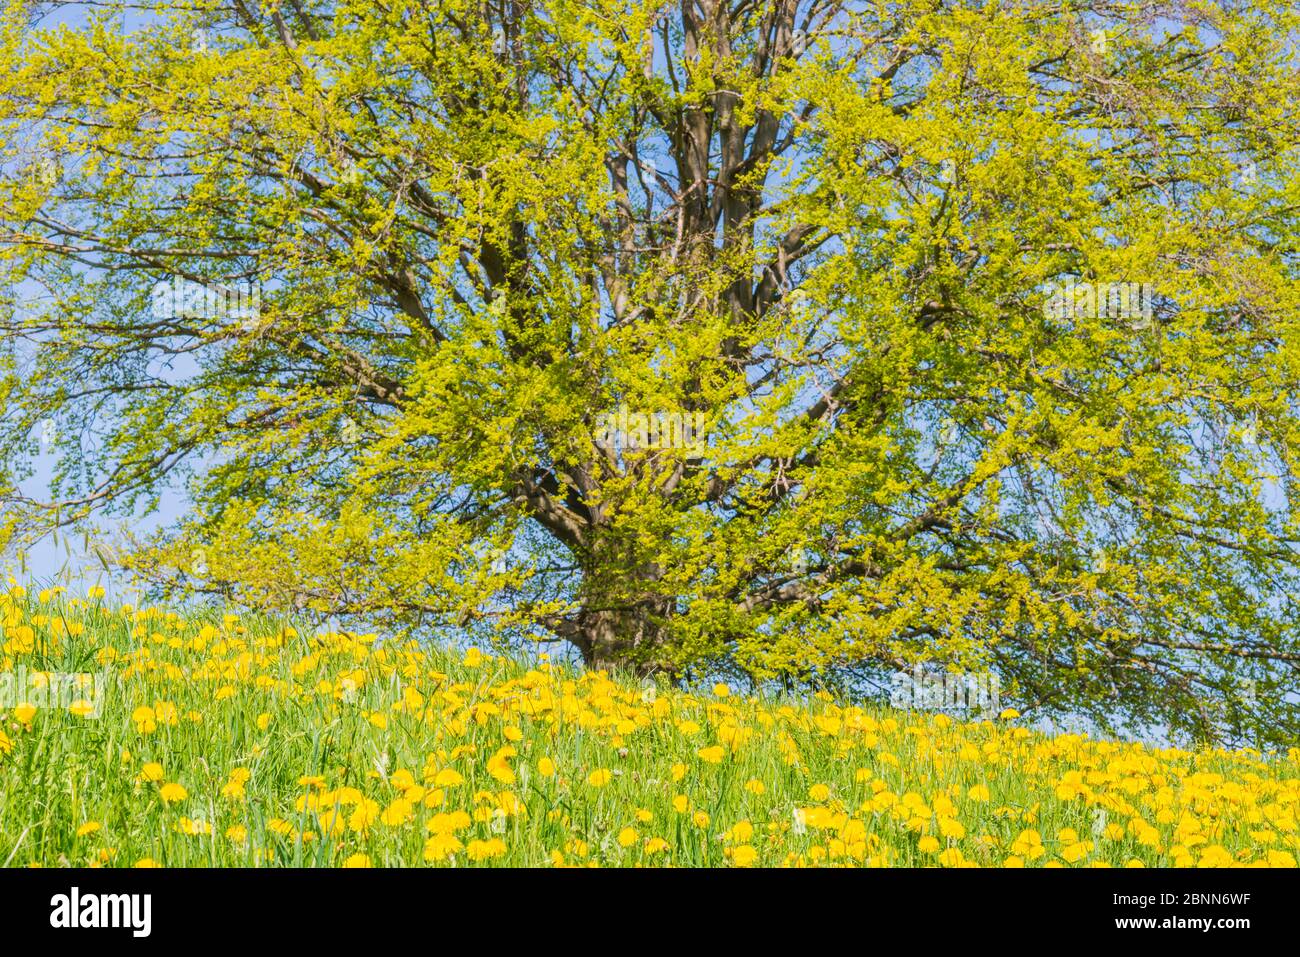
<point>65,559</point>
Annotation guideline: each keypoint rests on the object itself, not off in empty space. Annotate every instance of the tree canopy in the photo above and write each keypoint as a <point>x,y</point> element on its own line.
<point>803,339</point>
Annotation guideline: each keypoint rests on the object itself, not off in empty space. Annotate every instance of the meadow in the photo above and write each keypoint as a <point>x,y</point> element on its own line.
<point>216,741</point>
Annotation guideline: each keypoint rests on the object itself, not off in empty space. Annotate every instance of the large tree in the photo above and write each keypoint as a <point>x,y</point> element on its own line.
<point>987,312</point>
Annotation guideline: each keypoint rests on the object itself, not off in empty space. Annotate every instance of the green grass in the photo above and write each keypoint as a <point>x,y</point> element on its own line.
<point>336,732</point>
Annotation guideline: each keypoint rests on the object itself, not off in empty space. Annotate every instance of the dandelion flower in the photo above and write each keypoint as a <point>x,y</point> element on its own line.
<point>486,850</point>
<point>441,846</point>
<point>145,719</point>
<point>172,793</point>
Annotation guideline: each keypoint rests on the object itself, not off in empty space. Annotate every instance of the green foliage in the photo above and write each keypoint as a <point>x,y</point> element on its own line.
<point>832,230</point>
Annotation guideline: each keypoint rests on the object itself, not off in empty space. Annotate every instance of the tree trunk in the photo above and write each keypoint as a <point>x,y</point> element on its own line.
<point>625,638</point>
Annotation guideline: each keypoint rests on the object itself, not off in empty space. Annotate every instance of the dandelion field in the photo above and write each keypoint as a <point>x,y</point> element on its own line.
<point>221,742</point>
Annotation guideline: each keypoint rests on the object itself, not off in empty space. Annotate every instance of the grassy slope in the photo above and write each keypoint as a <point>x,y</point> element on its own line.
<point>233,745</point>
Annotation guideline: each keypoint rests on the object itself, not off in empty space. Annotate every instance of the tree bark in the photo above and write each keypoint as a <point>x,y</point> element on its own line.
<point>629,639</point>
